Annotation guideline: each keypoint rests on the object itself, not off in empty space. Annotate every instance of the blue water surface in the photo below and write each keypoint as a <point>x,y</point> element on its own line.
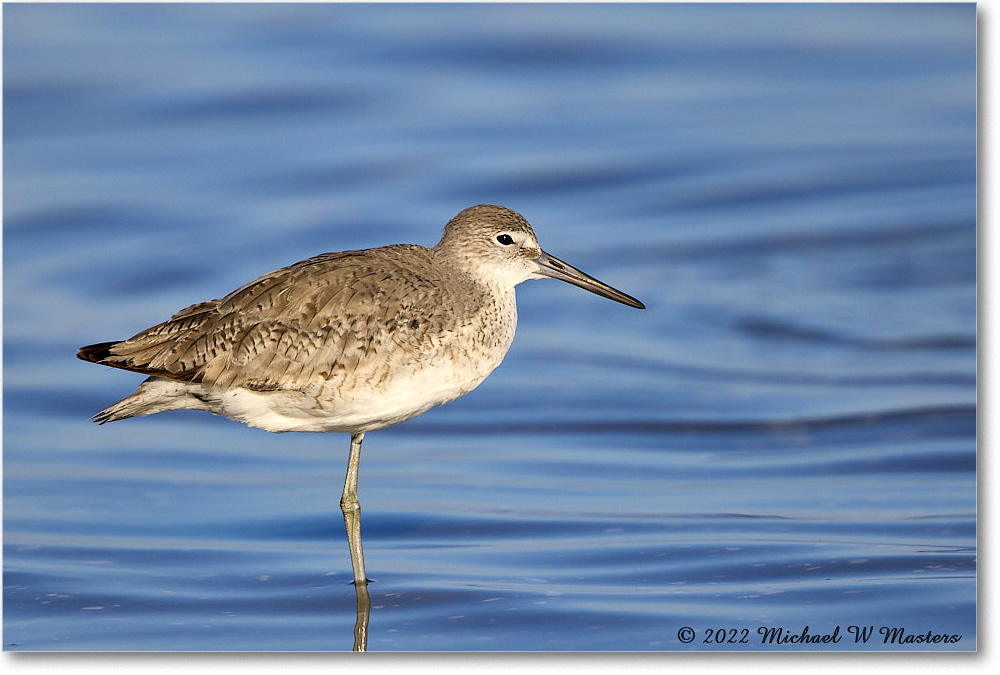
<point>785,438</point>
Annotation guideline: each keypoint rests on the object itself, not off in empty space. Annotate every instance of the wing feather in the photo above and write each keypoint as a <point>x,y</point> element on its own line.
<point>315,321</point>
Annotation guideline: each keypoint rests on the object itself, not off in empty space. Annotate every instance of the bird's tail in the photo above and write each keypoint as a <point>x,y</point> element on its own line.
<point>95,353</point>
<point>134,405</point>
<point>155,395</point>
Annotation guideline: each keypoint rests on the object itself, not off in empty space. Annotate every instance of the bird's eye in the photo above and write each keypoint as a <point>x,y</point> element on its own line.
<point>505,239</point>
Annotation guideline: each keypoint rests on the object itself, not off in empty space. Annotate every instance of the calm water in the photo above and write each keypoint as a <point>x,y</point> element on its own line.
<point>785,438</point>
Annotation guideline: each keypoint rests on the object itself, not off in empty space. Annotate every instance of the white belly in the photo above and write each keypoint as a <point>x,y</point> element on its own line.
<point>362,409</point>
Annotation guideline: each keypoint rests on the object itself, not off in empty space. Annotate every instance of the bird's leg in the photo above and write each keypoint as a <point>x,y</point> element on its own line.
<point>352,520</point>
<point>352,510</point>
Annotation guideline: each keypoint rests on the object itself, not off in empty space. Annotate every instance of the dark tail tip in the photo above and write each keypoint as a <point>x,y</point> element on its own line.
<point>96,353</point>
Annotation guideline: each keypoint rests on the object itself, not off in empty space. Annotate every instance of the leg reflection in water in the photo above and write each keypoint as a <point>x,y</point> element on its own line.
<point>361,625</point>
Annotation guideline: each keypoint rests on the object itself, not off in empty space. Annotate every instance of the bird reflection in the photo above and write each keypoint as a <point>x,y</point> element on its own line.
<point>361,624</point>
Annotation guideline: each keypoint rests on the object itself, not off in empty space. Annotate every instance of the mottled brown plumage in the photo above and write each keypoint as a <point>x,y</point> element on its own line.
<point>348,341</point>
<point>321,320</point>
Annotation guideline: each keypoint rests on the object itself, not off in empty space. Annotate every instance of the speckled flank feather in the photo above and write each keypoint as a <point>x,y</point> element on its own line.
<point>317,322</point>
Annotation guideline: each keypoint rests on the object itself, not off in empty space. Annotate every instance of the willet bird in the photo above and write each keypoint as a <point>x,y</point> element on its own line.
<point>348,342</point>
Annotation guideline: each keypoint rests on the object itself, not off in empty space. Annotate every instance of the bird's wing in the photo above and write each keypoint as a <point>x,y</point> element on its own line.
<point>319,320</point>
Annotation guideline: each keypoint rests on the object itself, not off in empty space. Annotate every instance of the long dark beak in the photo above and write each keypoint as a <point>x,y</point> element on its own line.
<point>551,266</point>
